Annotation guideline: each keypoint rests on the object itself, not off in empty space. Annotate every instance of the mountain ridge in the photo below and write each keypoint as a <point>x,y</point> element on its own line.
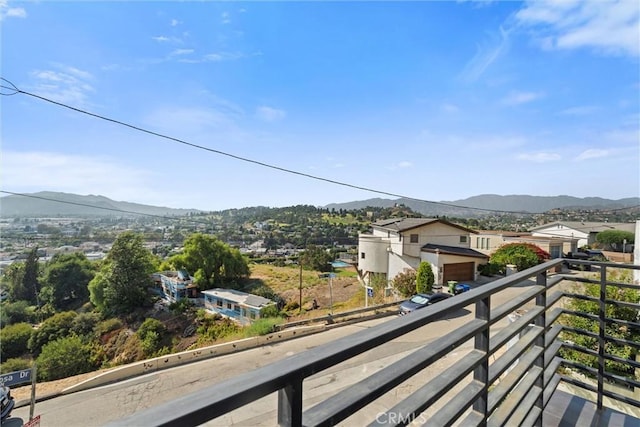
<point>48,203</point>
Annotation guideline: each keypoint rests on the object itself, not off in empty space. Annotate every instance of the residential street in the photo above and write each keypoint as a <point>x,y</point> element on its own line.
<point>104,404</point>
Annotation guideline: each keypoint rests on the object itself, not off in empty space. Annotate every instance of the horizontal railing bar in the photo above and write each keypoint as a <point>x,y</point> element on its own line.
<point>553,315</point>
<point>498,367</point>
<point>625,304</point>
<point>342,404</point>
<point>500,416</point>
<point>551,387</point>
<point>621,341</point>
<point>423,397</point>
<point>554,297</point>
<point>473,419</point>
<point>589,316</point>
<point>607,356</point>
<point>623,360</point>
<point>552,334</point>
<point>594,372</point>
<point>515,303</point>
<point>501,338</point>
<point>634,325</point>
<point>552,349</point>
<point>525,406</point>
<point>551,369</point>
<point>457,405</point>
<point>605,392</point>
<point>532,417</point>
<point>511,379</point>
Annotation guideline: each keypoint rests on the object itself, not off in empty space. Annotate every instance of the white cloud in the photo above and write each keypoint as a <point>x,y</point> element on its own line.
<point>40,171</point>
<point>518,98</point>
<point>64,84</point>
<point>450,108</point>
<point>178,52</point>
<point>485,56</point>
<point>269,114</point>
<point>592,153</point>
<point>193,119</point>
<point>175,22</point>
<point>608,26</point>
<point>225,17</point>
<point>400,165</point>
<point>583,110</point>
<point>7,11</point>
<point>540,157</point>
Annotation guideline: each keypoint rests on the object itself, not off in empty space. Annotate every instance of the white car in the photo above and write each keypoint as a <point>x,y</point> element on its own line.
<point>7,402</point>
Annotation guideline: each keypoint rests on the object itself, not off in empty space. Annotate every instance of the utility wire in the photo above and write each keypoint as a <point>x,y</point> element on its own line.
<point>15,90</point>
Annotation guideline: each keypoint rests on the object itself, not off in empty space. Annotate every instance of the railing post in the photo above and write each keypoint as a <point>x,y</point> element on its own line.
<point>290,404</point>
<point>481,372</point>
<point>541,341</point>
<point>602,313</point>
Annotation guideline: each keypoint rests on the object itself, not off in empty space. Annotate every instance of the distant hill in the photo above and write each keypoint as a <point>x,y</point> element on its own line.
<point>53,204</point>
<point>493,202</point>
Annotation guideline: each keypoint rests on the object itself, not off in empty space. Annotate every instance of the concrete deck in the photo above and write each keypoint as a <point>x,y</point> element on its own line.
<point>568,410</point>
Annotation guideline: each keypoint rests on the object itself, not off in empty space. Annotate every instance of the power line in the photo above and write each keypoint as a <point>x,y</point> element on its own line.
<point>15,90</point>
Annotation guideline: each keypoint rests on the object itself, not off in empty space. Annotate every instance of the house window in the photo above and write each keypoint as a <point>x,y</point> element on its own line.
<point>236,308</point>
<point>463,239</point>
<point>229,305</point>
<point>361,255</point>
<point>414,238</point>
<point>219,303</point>
<point>252,314</point>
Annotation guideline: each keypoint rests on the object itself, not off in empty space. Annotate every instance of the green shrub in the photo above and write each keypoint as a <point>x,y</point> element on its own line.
<point>405,282</point>
<point>262,327</point>
<point>270,311</point>
<point>57,326</point>
<point>152,333</point>
<point>17,312</point>
<point>107,326</point>
<point>14,340</point>
<point>424,278</point>
<point>522,255</point>
<point>64,357</point>
<point>15,364</point>
<point>85,323</point>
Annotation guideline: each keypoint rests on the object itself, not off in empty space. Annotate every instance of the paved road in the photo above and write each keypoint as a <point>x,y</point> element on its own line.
<point>104,404</point>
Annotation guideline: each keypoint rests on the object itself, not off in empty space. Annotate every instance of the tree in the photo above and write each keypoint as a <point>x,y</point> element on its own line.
<point>615,239</point>
<point>30,279</point>
<point>211,261</point>
<point>13,276</point>
<point>66,279</point>
<point>15,340</point>
<point>405,282</point>
<point>122,282</point>
<point>57,326</point>
<point>522,255</point>
<point>63,358</point>
<point>316,258</point>
<point>424,278</point>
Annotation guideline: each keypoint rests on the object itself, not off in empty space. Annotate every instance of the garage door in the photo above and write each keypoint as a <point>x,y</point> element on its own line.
<point>460,272</point>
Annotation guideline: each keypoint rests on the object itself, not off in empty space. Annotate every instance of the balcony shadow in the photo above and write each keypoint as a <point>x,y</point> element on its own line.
<point>568,410</point>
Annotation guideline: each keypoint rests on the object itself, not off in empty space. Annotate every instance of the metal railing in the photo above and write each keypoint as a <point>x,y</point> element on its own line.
<point>509,374</point>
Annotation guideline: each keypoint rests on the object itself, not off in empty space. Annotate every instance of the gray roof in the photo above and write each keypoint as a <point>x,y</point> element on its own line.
<point>453,250</point>
<point>592,227</point>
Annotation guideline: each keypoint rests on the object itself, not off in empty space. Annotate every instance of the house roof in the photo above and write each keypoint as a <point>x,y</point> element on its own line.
<point>591,227</point>
<point>453,250</point>
<point>239,297</point>
<point>404,224</point>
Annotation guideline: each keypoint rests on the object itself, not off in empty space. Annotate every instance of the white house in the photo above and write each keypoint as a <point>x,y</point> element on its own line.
<point>585,232</point>
<point>239,306</point>
<point>488,241</point>
<point>397,244</point>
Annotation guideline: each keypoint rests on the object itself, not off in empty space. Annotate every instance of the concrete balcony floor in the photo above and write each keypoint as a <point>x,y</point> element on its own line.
<point>569,410</point>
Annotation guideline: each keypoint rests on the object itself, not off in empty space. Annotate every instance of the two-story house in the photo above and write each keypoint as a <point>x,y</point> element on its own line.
<point>397,244</point>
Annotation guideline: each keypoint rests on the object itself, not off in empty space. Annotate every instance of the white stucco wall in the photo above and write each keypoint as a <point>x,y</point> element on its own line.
<point>636,254</point>
<point>563,231</point>
<point>376,254</point>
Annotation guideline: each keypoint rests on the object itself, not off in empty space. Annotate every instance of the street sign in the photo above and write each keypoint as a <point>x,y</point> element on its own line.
<point>15,378</point>
<point>33,422</point>
<point>370,292</point>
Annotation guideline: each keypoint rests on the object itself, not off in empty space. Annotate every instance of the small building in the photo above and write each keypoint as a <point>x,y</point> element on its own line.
<point>175,285</point>
<point>488,241</point>
<point>585,232</point>
<point>240,306</point>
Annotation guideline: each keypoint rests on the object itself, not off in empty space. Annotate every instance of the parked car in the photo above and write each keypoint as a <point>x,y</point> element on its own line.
<point>7,402</point>
<point>419,301</point>
<point>586,255</point>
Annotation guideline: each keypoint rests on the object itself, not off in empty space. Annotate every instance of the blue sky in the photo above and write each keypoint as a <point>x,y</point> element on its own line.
<point>437,101</point>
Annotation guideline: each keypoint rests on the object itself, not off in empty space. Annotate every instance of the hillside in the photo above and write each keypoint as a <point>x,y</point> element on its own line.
<point>54,204</point>
<point>493,202</point>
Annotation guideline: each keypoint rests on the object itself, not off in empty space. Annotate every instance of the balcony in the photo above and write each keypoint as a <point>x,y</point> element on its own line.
<point>506,365</point>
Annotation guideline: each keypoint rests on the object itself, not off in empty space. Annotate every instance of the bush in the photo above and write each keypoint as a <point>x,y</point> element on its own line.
<point>405,282</point>
<point>15,340</point>
<point>424,278</point>
<point>57,326</point>
<point>107,326</point>
<point>270,311</point>
<point>63,358</point>
<point>489,269</point>
<point>15,364</point>
<point>17,312</point>
<point>85,323</point>
<point>152,333</point>
<point>522,255</point>
<point>262,327</point>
